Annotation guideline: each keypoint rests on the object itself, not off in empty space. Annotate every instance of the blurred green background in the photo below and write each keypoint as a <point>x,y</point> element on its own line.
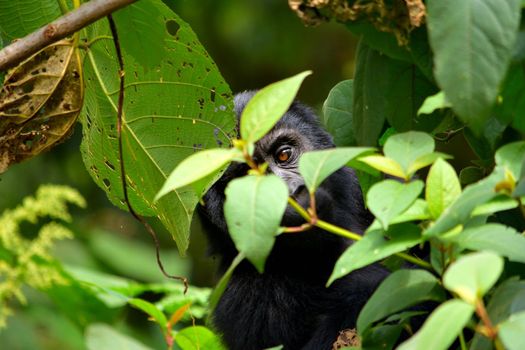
<point>253,42</point>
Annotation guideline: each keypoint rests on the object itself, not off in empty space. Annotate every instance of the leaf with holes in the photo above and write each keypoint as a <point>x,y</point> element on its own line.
<point>171,110</point>
<point>40,102</point>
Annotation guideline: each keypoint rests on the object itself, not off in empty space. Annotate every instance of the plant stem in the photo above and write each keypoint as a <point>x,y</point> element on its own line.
<point>462,341</point>
<point>348,234</point>
<point>481,311</point>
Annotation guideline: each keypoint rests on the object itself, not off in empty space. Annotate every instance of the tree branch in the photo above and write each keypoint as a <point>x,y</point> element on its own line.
<point>71,22</point>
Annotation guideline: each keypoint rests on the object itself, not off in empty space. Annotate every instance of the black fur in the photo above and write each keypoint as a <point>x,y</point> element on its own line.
<point>289,304</point>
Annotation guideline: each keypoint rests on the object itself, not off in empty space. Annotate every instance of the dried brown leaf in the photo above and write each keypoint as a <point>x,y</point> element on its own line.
<point>40,102</point>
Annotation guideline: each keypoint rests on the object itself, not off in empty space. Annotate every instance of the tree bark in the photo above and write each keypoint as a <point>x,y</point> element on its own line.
<point>66,25</point>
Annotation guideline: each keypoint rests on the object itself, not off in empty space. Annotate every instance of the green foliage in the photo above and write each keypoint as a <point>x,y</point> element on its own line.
<point>28,261</point>
<point>400,290</point>
<point>316,166</point>
<point>337,114</point>
<point>254,207</point>
<point>193,112</point>
<point>267,106</point>
<point>458,76</point>
<point>483,41</point>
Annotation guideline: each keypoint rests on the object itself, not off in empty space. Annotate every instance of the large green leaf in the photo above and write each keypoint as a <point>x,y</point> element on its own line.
<point>441,328</point>
<point>316,166</point>
<point>373,247</point>
<point>406,148</point>
<point>172,109</point>
<point>471,276</point>
<point>398,291</point>
<point>472,41</point>
<point>21,17</point>
<point>268,105</point>
<point>337,113</point>
<point>253,209</point>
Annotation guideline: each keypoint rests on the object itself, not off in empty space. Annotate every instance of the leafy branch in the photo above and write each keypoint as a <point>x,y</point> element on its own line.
<point>68,24</point>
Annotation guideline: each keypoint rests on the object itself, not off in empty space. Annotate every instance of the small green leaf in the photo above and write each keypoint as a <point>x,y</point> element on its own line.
<point>268,105</point>
<point>337,114</point>
<point>101,336</point>
<point>387,199</point>
<point>374,247</point>
<point>512,157</point>
<point>512,330</point>
<point>254,207</point>
<point>460,211</point>
<point>151,310</point>
<point>499,203</point>
<point>501,239</point>
<point>384,164</point>
<point>196,167</point>
<point>406,147</point>
<point>424,161</point>
<point>398,291</point>
<point>441,327</point>
<point>472,275</point>
<point>198,338</point>
<point>416,212</point>
<point>316,166</point>
<point>432,103</point>
<point>442,188</point>
<point>223,282</point>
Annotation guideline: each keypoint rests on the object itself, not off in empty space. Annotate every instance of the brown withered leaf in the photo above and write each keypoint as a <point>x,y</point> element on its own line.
<point>416,12</point>
<point>40,102</point>
<point>347,337</point>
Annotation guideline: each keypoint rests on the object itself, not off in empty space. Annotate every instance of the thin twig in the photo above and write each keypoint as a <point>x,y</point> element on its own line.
<point>122,168</point>
<point>68,24</point>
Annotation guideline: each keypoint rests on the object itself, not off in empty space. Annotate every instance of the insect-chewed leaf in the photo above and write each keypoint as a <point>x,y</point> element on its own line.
<point>268,105</point>
<point>316,166</point>
<point>473,275</point>
<point>254,207</point>
<point>40,102</point>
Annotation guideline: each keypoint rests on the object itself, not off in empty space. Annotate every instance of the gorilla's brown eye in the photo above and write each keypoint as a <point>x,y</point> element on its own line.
<point>283,154</point>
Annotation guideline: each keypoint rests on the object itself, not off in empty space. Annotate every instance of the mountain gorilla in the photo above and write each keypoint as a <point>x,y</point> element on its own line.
<point>289,304</point>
